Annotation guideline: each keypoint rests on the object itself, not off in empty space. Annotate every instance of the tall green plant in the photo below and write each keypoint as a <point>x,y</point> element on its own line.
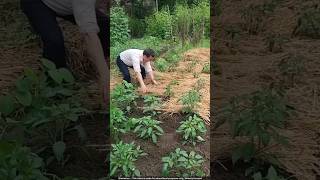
<point>160,24</point>
<point>182,24</point>
<point>119,25</point>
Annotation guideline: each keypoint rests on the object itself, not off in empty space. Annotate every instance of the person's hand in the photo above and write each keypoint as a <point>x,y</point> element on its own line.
<point>155,82</point>
<point>143,89</point>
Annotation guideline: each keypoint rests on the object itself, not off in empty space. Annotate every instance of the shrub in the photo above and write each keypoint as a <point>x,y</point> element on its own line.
<point>182,24</point>
<point>119,25</point>
<point>185,164</point>
<point>192,128</point>
<point>147,128</point>
<point>160,24</point>
<point>137,27</point>
<point>122,159</point>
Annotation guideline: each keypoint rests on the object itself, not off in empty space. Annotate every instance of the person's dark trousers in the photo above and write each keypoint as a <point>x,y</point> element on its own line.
<point>44,22</point>
<point>124,69</point>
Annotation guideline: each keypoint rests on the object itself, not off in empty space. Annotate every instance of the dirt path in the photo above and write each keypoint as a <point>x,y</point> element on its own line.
<point>192,62</point>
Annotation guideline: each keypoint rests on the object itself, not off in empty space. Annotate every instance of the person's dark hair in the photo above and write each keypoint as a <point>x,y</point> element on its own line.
<point>149,52</point>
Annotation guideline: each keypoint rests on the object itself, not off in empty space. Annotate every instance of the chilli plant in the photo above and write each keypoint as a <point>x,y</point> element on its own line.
<point>119,123</point>
<point>46,104</point>
<point>258,118</point>
<point>192,129</point>
<point>190,101</point>
<point>147,127</point>
<point>124,96</point>
<point>17,162</point>
<point>185,164</point>
<point>151,104</point>
<point>122,159</point>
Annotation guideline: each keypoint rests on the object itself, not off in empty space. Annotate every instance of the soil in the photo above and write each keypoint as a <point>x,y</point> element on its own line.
<point>249,66</point>
<point>86,160</point>
<point>151,165</point>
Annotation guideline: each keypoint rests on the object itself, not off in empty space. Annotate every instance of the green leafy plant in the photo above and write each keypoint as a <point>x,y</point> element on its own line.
<point>168,91</point>
<point>119,25</point>
<point>124,96</point>
<point>192,129</point>
<point>118,122</point>
<point>256,117</point>
<point>122,159</point>
<point>206,68</point>
<point>196,74</point>
<point>159,24</point>
<point>17,162</point>
<point>190,101</point>
<point>151,104</point>
<point>182,24</point>
<point>185,164</point>
<point>147,127</point>
<point>161,65</point>
<point>46,104</point>
<point>290,66</point>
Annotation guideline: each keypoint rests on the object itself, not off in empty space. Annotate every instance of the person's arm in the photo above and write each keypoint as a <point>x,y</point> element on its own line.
<point>137,70</point>
<point>96,55</point>
<point>151,74</point>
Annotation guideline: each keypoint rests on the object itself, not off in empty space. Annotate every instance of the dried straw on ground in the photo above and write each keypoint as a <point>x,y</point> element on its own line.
<point>186,81</point>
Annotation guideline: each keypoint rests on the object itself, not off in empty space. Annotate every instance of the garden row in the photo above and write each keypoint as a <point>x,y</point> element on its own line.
<point>131,114</point>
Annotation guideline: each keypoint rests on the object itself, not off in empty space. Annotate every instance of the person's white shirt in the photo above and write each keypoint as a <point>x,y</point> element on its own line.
<point>134,58</point>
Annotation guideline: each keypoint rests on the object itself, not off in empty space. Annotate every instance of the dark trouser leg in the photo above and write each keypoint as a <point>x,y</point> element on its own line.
<point>124,70</point>
<point>103,22</point>
<point>43,20</point>
<point>143,72</point>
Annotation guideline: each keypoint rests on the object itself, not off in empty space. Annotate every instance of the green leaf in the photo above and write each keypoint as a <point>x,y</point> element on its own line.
<point>59,149</point>
<point>154,138</point>
<point>113,170</point>
<point>6,104</point>
<point>159,129</point>
<point>23,85</point>
<point>165,159</point>
<point>137,172</point>
<point>66,75</point>
<point>48,64</point>
<point>200,138</point>
<point>137,128</point>
<point>25,98</point>
<point>183,159</point>
<point>56,76</point>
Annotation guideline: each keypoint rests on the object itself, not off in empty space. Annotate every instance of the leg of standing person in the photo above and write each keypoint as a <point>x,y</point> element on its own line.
<point>124,70</point>
<point>44,22</point>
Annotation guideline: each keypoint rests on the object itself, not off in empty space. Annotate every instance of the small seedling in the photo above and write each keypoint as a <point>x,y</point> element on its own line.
<point>147,127</point>
<point>190,101</point>
<point>308,23</point>
<point>192,129</point>
<point>122,159</point>
<point>185,164</point>
<point>206,68</point>
<point>162,65</point>
<point>191,65</point>
<point>199,84</point>
<point>290,66</point>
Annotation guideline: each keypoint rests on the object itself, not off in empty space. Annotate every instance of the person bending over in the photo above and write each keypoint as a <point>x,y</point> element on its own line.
<point>139,60</point>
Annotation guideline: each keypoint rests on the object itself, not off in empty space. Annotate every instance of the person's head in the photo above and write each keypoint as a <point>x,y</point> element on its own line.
<point>148,55</point>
